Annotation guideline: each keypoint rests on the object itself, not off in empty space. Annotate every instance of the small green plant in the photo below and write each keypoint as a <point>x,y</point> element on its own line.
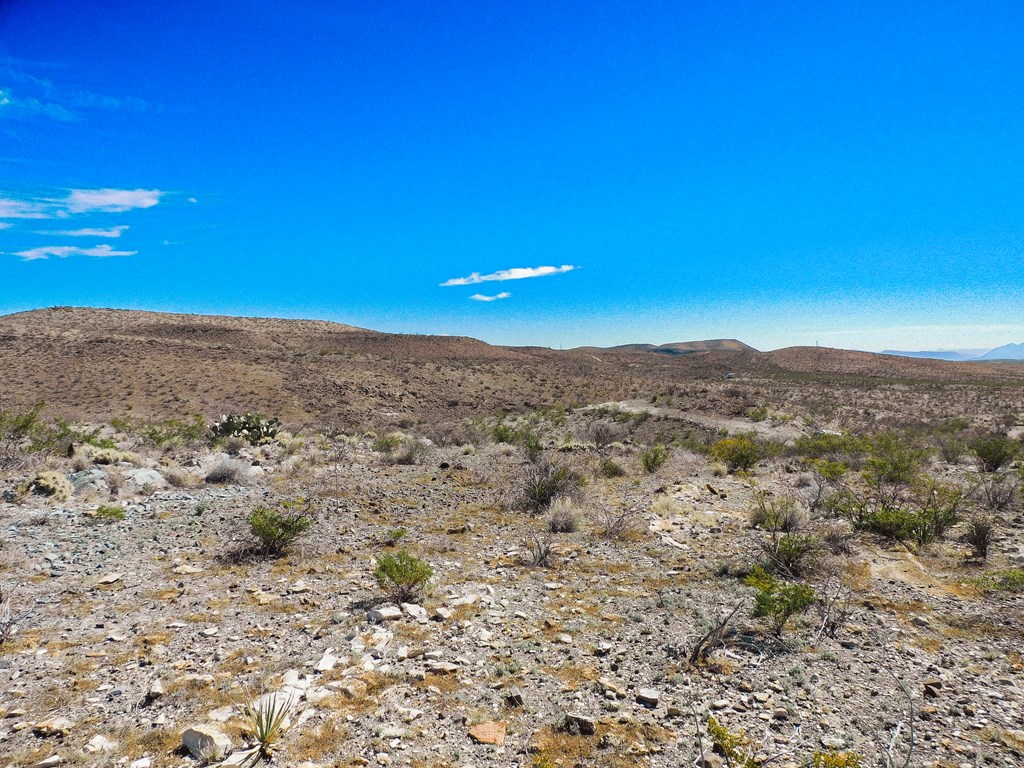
<point>741,452</point>
<point>758,414</point>
<point>563,516</point>
<point>1009,580</point>
<point>778,601</point>
<point>893,459</point>
<point>395,535</point>
<point>993,451</point>
<point>776,513</point>
<point>254,428</point>
<point>832,759</point>
<point>109,514</point>
<point>788,553</point>
<point>542,483</point>
<point>730,746</point>
<point>387,444</point>
<point>653,458</point>
<point>276,531</point>
<point>611,468</point>
<point>266,718</point>
<point>402,576</point>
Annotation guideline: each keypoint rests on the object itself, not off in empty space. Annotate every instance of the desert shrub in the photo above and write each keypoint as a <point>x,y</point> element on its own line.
<point>178,477</point>
<point>778,601</point>
<point>170,432</point>
<point>893,459</point>
<point>227,472</point>
<point>522,436</point>
<point>563,516</point>
<point>993,451</point>
<point>276,531</point>
<point>402,576</point>
<point>1009,580</point>
<point>109,514</point>
<point>923,513</point>
<point>504,433</point>
<point>24,433</point>
<point>789,553</point>
<point>740,452</point>
<point>939,508</point>
<point>617,523</point>
<point>730,745</point>
<point>611,468</point>
<point>981,532</point>
<point>998,491</point>
<point>107,456</point>
<point>542,482</point>
<point>653,458</point>
<point>254,428</point>
<point>777,513</point>
<point>718,469</point>
<point>48,483</point>
<point>266,718</point>
<point>760,413</point>
<point>387,444</point>
<point>832,759</point>
<point>603,433</point>
<point>539,551</point>
<point>829,446</point>
<point>411,451</point>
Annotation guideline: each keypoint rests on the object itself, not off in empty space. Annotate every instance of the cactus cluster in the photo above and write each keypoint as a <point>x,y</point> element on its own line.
<point>48,483</point>
<point>254,428</point>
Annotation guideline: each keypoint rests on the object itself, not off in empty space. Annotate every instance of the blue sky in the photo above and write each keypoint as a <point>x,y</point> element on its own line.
<point>783,173</point>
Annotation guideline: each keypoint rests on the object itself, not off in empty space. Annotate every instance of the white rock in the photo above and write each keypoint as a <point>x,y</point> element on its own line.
<point>414,610</point>
<point>327,662</point>
<point>50,762</point>
<point>137,480</point>
<point>206,742</point>
<point>99,743</point>
<point>142,762</point>
<point>384,613</point>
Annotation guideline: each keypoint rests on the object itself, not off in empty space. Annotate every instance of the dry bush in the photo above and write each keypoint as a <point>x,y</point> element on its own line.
<point>563,516</point>
<point>539,551</point>
<point>621,523</point>
<point>228,472</point>
<point>178,477</point>
<point>981,532</point>
<point>541,483</point>
<point>777,513</point>
<point>998,491</point>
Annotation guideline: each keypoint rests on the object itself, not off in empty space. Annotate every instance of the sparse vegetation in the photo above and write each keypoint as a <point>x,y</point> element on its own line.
<point>741,452</point>
<point>277,530</point>
<point>778,601</point>
<point>402,576</point>
<point>541,483</point>
<point>994,451</point>
<point>254,428</point>
<point>653,458</point>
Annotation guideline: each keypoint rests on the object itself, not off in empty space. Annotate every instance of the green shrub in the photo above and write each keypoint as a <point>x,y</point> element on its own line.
<point>892,459</point>
<point>170,432</point>
<point>542,483</point>
<point>27,433</point>
<point>741,452</point>
<point>276,531</point>
<point>789,552</point>
<point>981,532</point>
<point>831,447</point>
<point>504,433</point>
<point>387,444</point>
<point>109,514</point>
<point>776,513</point>
<point>402,576</point>
<point>254,428</point>
<point>611,468</point>
<point>833,759</point>
<point>653,458</point>
<point>993,451</point>
<point>1010,580</point>
<point>778,601</point>
<point>730,746</point>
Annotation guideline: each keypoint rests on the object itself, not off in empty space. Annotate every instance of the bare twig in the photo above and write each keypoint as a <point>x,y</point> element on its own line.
<point>713,637</point>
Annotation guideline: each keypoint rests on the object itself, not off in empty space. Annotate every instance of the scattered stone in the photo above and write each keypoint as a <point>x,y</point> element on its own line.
<point>50,762</point>
<point>58,727</point>
<point>441,613</point>
<point>579,725</point>
<point>648,697</point>
<point>490,732</point>
<point>206,742</point>
<point>384,613</point>
<point>514,697</point>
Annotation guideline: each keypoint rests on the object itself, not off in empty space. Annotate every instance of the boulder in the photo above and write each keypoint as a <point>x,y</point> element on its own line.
<point>206,742</point>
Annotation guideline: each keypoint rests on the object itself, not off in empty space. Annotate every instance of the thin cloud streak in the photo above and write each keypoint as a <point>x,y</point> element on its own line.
<point>111,200</point>
<point>516,273</point>
<point>496,297</point>
<point>117,231</point>
<point>63,251</point>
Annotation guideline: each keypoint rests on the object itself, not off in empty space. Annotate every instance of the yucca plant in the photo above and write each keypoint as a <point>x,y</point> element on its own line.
<point>266,718</point>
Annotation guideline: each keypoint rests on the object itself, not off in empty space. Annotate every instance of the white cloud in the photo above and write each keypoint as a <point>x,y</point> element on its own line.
<point>5,225</point>
<point>481,297</point>
<point>117,231</point>
<point>22,209</point>
<point>192,200</point>
<point>516,273</point>
<point>63,251</point>
<point>111,200</point>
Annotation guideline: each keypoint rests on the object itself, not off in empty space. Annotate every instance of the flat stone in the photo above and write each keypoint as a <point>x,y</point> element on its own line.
<point>491,732</point>
<point>99,743</point>
<point>50,762</point>
<point>648,697</point>
<point>580,724</point>
<point>186,570</point>
<point>327,661</point>
<point>58,727</point>
<point>206,742</point>
<point>384,613</point>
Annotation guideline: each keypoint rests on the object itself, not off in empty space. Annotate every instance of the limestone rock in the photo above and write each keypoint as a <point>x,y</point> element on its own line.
<point>206,742</point>
<point>490,732</point>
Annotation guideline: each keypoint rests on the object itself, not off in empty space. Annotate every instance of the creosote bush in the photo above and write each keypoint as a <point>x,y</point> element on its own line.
<point>611,468</point>
<point>276,531</point>
<point>741,452</point>
<point>993,451</point>
<point>109,514</point>
<point>402,576</point>
<point>778,601</point>
<point>777,513</point>
<point>653,458</point>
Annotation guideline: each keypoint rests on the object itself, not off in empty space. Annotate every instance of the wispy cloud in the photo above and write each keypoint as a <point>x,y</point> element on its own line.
<point>5,225</point>
<point>516,273</point>
<point>111,200</point>
<point>63,251</point>
<point>79,201</point>
<point>26,96</point>
<point>117,231</point>
<point>481,297</point>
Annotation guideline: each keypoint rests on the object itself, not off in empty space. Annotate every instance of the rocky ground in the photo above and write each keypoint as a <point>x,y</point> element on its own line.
<point>142,640</point>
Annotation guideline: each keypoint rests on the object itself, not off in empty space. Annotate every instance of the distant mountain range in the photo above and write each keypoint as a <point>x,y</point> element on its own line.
<point>1005,352</point>
<point>678,347</point>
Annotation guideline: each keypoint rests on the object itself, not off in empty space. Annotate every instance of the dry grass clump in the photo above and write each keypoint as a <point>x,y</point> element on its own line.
<point>539,551</point>
<point>563,515</point>
<point>228,472</point>
<point>541,483</point>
